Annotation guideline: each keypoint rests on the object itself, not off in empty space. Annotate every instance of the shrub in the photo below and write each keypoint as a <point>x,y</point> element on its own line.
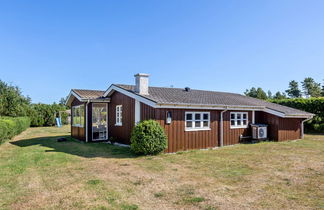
<point>148,138</point>
<point>45,114</point>
<point>11,126</point>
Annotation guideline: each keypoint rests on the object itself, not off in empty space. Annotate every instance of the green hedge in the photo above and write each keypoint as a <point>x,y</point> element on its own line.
<point>11,126</point>
<point>312,105</point>
<point>45,114</point>
<point>148,138</point>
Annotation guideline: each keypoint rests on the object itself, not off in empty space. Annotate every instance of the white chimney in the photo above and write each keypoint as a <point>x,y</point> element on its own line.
<point>141,83</point>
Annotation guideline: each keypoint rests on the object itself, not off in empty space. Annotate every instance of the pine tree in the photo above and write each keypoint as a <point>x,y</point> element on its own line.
<point>293,90</point>
<point>311,88</point>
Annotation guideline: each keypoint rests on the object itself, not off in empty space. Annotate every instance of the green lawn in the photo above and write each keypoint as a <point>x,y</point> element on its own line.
<point>37,172</point>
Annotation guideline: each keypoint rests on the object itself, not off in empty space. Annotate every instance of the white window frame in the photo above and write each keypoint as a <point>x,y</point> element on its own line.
<point>74,109</point>
<point>119,119</point>
<point>241,120</point>
<point>106,123</point>
<point>193,120</point>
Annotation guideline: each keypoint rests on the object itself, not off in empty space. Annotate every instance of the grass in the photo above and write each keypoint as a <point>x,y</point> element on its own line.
<point>37,172</point>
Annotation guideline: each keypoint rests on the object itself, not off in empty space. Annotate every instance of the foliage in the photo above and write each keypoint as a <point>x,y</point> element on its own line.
<point>313,105</point>
<point>12,102</point>
<point>45,114</point>
<point>148,138</point>
<point>11,126</point>
<point>256,93</point>
<point>293,90</point>
<point>279,95</point>
<point>311,88</point>
<point>63,100</point>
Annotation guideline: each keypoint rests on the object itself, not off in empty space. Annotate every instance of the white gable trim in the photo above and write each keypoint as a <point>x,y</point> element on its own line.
<point>113,88</point>
<point>73,94</point>
<point>69,99</point>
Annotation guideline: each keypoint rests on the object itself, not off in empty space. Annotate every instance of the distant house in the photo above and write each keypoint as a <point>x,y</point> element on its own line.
<point>192,119</point>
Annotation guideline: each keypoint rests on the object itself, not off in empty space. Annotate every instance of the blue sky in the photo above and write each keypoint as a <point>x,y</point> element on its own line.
<point>49,47</point>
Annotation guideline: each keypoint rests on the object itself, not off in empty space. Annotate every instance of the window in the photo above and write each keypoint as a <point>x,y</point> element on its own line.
<point>197,121</point>
<point>78,116</point>
<point>239,119</point>
<point>119,113</point>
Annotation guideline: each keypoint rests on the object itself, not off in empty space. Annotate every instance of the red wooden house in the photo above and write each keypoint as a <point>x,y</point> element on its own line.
<point>192,119</point>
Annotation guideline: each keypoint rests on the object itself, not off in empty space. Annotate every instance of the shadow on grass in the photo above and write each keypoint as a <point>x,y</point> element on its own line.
<point>75,147</point>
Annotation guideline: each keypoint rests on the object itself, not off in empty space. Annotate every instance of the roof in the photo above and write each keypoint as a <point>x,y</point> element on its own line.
<point>179,96</point>
<point>164,95</point>
<point>89,94</point>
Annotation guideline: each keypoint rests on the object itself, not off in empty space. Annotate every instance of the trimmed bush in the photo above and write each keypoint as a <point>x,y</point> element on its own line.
<point>45,114</point>
<point>11,126</point>
<point>148,138</point>
<point>313,105</point>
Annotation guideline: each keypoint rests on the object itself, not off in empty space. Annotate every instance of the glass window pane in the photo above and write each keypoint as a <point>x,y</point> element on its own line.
<point>197,116</point>
<point>189,124</point>
<point>189,116</point>
<point>239,122</point>
<point>232,122</point>
<point>238,116</point>
<point>205,124</point>
<point>244,122</point>
<point>233,116</point>
<point>197,124</point>
<point>99,121</point>
<point>206,116</point>
<point>244,116</point>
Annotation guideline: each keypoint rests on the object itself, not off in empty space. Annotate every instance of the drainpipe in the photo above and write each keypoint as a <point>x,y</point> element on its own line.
<point>86,124</point>
<point>302,126</point>
<point>221,128</point>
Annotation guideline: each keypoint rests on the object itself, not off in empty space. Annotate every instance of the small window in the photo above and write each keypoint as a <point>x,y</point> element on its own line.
<point>119,113</point>
<point>239,119</point>
<point>78,116</point>
<point>197,120</point>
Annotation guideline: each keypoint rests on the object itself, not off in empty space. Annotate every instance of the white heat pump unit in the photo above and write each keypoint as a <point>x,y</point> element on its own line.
<point>259,131</point>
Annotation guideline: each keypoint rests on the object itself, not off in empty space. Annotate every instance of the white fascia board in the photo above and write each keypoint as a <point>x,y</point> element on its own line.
<point>99,100</point>
<point>276,113</point>
<point>300,116</point>
<point>283,115</point>
<point>129,94</point>
<point>208,107</point>
<point>72,93</point>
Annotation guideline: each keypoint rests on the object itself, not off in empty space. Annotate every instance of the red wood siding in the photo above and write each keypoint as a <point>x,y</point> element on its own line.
<point>232,135</point>
<point>77,132</point>
<point>289,129</point>
<point>178,138</point>
<point>121,133</point>
<point>147,112</point>
<point>280,129</point>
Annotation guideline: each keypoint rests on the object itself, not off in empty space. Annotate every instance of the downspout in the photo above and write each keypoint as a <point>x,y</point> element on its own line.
<point>221,136</point>
<point>86,128</point>
<point>302,126</point>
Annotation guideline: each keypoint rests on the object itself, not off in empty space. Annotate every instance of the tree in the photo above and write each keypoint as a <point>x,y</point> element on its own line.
<point>311,88</point>
<point>252,92</point>
<point>279,95</point>
<point>269,94</point>
<point>293,90</point>
<point>323,89</point>
<point>261,94</point>
<point>63,100</point>
<point>256,93</point>
<point>12,102</point>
